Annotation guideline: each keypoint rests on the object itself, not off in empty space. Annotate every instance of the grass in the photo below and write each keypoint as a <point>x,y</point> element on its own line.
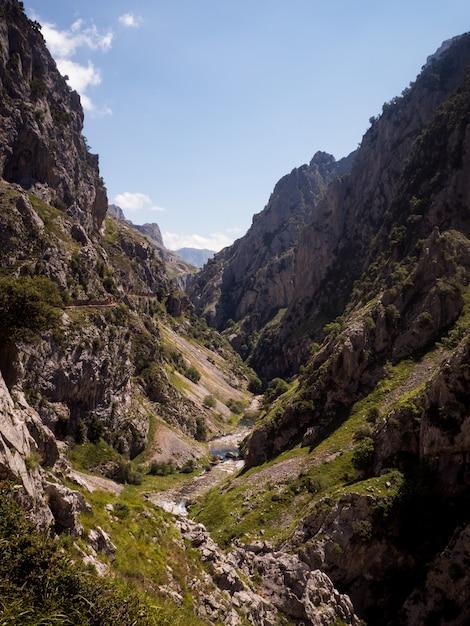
<point>245,505</point>
<point>149,552</point>
<point>87,456</point>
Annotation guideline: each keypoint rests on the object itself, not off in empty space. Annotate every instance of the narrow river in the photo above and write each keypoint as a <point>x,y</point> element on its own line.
<point>226,448</point>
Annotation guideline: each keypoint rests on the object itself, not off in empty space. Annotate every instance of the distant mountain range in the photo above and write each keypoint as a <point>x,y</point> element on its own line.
<point>195,257</point>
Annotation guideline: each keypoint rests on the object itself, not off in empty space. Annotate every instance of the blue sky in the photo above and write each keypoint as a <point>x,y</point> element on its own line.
<point>197,108</point>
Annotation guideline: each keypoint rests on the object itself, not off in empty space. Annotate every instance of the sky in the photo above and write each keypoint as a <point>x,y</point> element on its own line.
<point>198,107</point>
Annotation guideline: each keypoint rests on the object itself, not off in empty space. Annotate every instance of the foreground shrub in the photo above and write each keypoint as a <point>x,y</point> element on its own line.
<point>39,584</point>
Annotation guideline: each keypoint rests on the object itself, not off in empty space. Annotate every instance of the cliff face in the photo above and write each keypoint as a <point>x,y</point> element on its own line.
<point>248,283</point>
<point>386,263</point>
<point>401,180</point>
<point>83,299</point>
<point>41,120</point>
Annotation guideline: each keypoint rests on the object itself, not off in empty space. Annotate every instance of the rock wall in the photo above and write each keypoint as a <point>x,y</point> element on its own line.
<point>250,281</point>
<point>408,176</point>
<point>285,588</point>
<point>42,146</point>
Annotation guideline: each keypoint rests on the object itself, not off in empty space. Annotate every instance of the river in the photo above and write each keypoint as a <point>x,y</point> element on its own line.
<point>175,500</point>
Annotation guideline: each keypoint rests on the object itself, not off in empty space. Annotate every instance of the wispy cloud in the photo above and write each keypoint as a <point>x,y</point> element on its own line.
<point>136,202</point>
<point>130,20</point>
<point>213,241</point>
<point>63,45</point>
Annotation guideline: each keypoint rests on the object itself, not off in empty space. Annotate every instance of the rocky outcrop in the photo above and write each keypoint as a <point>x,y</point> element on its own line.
<point>445,590</point>
<point>178,268</point>
<point>402,321</point>
<point>42,146</point>
<point>28,451</point>
<point>249,282</point>
<point>286,587</point>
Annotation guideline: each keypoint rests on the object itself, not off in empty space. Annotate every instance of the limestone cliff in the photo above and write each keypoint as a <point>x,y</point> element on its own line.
<point>82,298</point>
<point>41,119</point>
<point>407,178</point>
<point>386,262</point>
<point>246,285</point>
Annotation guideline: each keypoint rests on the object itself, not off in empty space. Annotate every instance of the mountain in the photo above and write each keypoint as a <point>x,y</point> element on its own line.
<point>177,268</point>
<point>195,256</point>
<point>110,389</point>
<point>349,295</point>
<point>247,285</point>
<point>363,448</point>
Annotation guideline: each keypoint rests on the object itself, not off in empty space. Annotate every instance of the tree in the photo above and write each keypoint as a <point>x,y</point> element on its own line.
<point>28,306</point>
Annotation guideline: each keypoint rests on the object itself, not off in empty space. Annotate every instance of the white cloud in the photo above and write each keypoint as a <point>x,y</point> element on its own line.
<point>63,44</point>
<point>79,76</point>
<point>130,20</point>
<point>214,241</point>
<point>136,202</point>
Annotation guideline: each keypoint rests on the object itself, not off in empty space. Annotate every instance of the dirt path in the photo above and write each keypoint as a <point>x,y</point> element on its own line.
<point>96,483</point>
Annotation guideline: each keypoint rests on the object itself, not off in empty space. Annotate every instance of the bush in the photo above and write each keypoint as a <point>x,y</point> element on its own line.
<point>275,389</point>
<point>189,466</point>
<point>254,383</point>
<point>236,406</point>
<point>161,468</point>
<point>125,473</point>
<point>40,584</point>
<point>363,454</point>
<point>28,306</point>
<point>192,374</point>
<point>362,530</point>
<point>209,401</point>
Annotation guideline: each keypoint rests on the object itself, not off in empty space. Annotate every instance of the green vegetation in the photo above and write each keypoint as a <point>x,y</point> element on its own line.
<point>88,456</point>
<point>209,401</point>
<point>161,468</point>
<point>276,388</point>
<point>39,584</point>
<point>28,306</point>
<point>337,465</point>
<point>182,366</point>
<point>236,406</point>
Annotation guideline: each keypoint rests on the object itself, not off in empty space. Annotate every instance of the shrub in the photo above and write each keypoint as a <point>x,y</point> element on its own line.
<point>209,401</point>
<point>189,466</point>
<point>125,473</point>
<point>363,454</point>
<point>80,432</point>
<point>333,329</point>
<point>40,584</point>
<point>236,406</point>
<point>276,388</point>
<point>95,429</point>
<point>362,530</point>
<point>161,468</point>
<point>192,374</point>
<point>201,429</point>
<point>254,383</point>
<point>28,306</point>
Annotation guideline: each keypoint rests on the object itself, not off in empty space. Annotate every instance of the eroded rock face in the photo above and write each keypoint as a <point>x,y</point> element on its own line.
<point>287,587</point>
<point>408,176</point>
<point>445,590</point>
<point>27,449</point>
<point>42,146</point>
<point>250,281</point>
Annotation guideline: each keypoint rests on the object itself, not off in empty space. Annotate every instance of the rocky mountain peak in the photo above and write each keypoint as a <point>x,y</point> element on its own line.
<point>249,282</point>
